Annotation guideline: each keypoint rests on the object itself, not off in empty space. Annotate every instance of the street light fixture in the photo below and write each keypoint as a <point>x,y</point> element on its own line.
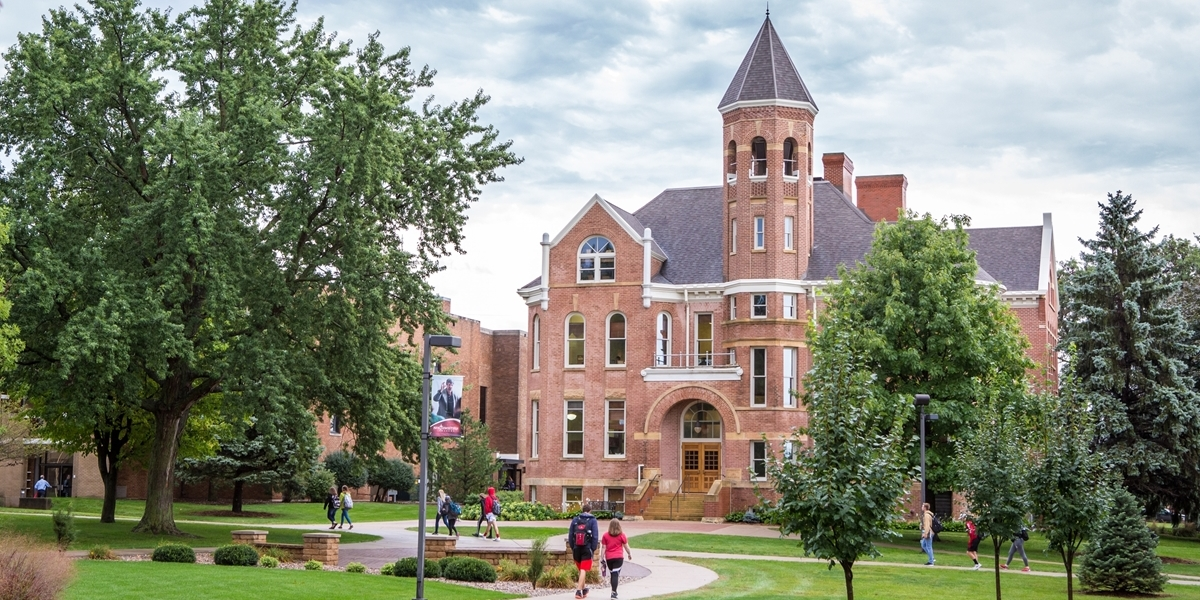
<point>431,341</point>
<point>921,401</point>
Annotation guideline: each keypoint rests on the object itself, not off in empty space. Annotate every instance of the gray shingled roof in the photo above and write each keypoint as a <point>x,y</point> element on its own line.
<point>766,73</point>
<point>637,226</point>
<point>842,233</point>
<point>687,222</point>
<point>1012,255</point>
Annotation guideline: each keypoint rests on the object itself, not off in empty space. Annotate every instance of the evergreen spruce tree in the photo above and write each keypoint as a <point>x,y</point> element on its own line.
<point>1120,556</point>
<point>1130,345</point>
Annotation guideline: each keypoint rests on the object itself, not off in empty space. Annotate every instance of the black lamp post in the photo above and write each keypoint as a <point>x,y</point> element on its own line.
<point>434,341</point>
<point>921,401</point>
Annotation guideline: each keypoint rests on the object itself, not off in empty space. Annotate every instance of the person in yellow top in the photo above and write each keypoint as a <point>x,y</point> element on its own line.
<point>927,532</point>
<point>347,502</point>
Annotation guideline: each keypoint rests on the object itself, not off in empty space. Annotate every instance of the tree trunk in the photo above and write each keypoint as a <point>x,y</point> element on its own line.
<point>108,510</point>
<point>996,547</point>
<point>159,517</point>
<point>237,496</point>
<point>1069,562</point>
<point>847,570</point>
<point>110,440</point>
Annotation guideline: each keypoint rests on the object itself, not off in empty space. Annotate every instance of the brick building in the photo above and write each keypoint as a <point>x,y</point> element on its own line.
<point>666,342</point>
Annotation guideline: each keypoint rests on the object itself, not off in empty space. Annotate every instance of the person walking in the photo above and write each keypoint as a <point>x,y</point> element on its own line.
<point>614,541</point>
<point>482,515</point>
<point>331,506</point>
<point>973,539</point>
<point>583,537</point>
<point>453,510</point>
<point>492,514</point>
<point>1018,545</point>
<point>347,502</point>
<point>439,516</point>
<point>40,487</point>
<point>927,532</point>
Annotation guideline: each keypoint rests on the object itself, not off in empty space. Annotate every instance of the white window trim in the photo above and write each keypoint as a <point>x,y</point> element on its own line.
<point>535,428</point>
<point>579,256</point>
<point>533,493</point>
<point>567,342</point>
<point>608,339</point>
<point>582,429</point>
<point>732,307</point>
<point>754,305</point>
<point>733,236</point>
<point>662,351</point>
<point>712,331</point>
<point>564,495</point>
<point>789,377</point>
<point>754,476</point>
<point>788,229</point>
<point>754,361</point>
<point>760,234</point>
<point>624,425</point>
<point>335,428</point>
<point>790,312</point>
<point>537,342</point>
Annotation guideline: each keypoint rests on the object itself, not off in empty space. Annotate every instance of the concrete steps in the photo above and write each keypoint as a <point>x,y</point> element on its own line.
<point>688,507</point>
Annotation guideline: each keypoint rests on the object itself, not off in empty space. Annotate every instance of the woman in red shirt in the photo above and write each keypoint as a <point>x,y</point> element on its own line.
<point>973,538</point>
<point>615,544</point>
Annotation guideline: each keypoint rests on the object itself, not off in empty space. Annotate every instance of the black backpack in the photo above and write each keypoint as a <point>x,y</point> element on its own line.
<point>581,532</point>
<point>936,524</point>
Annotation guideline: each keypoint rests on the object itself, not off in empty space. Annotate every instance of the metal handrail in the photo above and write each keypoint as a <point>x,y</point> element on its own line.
<point>674,497</point>
<point>646,505</point>
<point>693,360</point>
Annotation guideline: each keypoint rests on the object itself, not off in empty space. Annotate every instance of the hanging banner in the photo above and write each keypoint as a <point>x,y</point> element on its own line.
<point>445,406</point>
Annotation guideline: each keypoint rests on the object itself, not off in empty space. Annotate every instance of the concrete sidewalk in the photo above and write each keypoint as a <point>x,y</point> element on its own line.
<point>666,577</point>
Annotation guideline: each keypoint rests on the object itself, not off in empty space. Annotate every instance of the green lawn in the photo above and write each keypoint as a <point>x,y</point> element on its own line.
<point>118,535</point>
<point>512,532</point>
<point>288,513</point>
<point>102,580</point>
<point>765,580</point>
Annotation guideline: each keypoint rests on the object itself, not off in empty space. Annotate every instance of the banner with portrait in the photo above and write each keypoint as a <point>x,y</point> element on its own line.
<point>445,406</point>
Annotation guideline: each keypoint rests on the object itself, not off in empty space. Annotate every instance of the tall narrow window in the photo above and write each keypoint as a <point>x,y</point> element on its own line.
<point>335,425</point>
<point>789,157</point>
<point>573,429</point>
<point>704,339</point>
<point>482,404</point>
<point>760,228</point>
<point>788,223</point>
<point>597,260</point>
<point>758,460</point>
<point>731,161</point>
<point>732,308</point>
<point>789,377</point>
<point>615,428</point>
<point>533,493</point>
<point>616,340</point>
<point>662,345</point>
<point>537,342</point>
<point>534,429</point>
<point>759,308</point>
<point>575,331</point>
<point>733,236</point>
<point>758,377</point>
<point>789,306</point>
<point>758,162</point>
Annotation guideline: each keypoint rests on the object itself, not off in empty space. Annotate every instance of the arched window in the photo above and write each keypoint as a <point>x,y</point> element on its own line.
<point>701,421</point>
<point>731,160</point>
<point>537,341</point>
<point>597,260</point>
<point>789,158</point>
<point>616,340</point>
<point>758,156</point>
<point>575,333</point>
<point>662,345</point>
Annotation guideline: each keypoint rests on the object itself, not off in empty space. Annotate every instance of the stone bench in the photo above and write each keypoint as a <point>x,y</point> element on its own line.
<point>321,547</point>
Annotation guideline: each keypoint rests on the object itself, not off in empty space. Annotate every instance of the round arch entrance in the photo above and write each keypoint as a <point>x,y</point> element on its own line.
<point>700,446</point>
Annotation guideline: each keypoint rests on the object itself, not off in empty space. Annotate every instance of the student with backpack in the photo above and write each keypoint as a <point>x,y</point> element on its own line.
<point>449,512</point>
<point>347,502</point>
<point>331,507</point>
<point>928,520</point>
<point>1018,545</point>
<point>491,511</point>
<point>614,542</point>
<point>583,538</point>
<point>439,515</point>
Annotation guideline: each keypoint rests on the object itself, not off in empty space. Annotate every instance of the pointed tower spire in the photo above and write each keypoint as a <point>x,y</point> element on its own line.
<point>767,76</point>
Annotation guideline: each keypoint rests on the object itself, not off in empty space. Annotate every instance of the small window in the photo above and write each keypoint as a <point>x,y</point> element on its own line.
<point>701,422</point>
<point>789,306</point>
<point>534,429</point>
<point>575,331</point>
<point>533,493</point>
<point>704,339</point>
<point>789,158</point>
<point>758,161</point>
<point>335,425</point>
<point>760,233</point>
<point>482,404</point>
<point>732,308</point>
<point>615,428</point>
<point>537,342</point>
<point>573,429</point>
<point>733,236</point>
<point>788,223</point>
<point>789,451</point>
<point>616,340</point>
<point>758,460</point>
<point>760,306</point>
<point>597,260</point>
<point>572,499</point>
<point>789,377</point>
<point>731,159</point>
<point>758,378</point>
<point>615,497</point>
<point>662,345</point>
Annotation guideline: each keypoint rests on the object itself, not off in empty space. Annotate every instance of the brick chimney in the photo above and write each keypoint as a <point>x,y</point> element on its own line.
<point>839,170</point>
<point>881,197</point>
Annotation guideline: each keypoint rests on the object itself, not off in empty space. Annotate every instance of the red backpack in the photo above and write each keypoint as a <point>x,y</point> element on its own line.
<point>581,535</point>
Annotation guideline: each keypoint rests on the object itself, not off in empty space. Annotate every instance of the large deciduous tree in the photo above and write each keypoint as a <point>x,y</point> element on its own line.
<point>844,492</point>
<point>466,465</point>
<point>218,203</point>
<point>1131,344</point>
<point>929,327</point>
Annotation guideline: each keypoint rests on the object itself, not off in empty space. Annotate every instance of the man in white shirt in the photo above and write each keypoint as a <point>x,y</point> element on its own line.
<point>41,486</point>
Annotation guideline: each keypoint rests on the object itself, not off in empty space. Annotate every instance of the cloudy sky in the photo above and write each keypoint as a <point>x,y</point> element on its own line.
<point>999,110</point>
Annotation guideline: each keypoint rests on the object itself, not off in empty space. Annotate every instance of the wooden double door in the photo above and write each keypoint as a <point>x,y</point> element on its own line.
<point>701,466</point>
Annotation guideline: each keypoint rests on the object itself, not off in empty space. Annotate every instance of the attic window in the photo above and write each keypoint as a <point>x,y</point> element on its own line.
<point>597,260</point>
<point>758,161</point>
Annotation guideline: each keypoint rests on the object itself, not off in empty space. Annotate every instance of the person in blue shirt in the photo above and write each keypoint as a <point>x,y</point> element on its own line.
<point>41,486</point>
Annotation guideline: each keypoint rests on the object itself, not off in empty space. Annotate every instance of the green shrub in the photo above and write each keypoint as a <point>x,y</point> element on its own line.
<point>511,571</point>
<point>282,555</point>
<point>64,527</point>
<point>515,511</point>
<point>174,553</point>
<point>101,553</point>
<point>347,469</point>
<point>446,562</point>
<point>387,569</point>
<point>508,498</point>
<point>317,483</point>
<point>390,474</point>
<point>314,565</point>
<point>470,569</point>
<point>356,567</point>
<point>1121,554</point>
<point>407,567</point>
<point>236,555</point>
<point>557,578</point>
<point>537,560</point>
<point>593,576</point>
<point>735,516</point>
<point>269,562</point>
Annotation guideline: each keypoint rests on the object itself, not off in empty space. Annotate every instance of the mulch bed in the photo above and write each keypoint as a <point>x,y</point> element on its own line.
<point>1171,560</point>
